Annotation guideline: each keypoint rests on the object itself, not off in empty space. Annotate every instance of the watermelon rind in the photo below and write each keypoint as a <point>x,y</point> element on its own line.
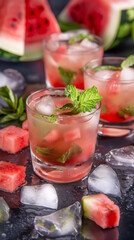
<point>17,47</point>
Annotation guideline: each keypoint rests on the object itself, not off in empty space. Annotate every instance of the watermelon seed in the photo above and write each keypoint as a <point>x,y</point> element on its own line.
<point>32,12</point>
<point>13,25</point>
<point>46,21</point>
<point>38,25</point>
<point>19,15</point>
<point>41,8</point>
<point>30,28</point>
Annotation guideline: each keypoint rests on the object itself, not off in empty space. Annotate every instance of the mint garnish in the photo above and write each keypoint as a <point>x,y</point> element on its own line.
<point>55,155</point>
<point>126,111</point>
<point>52,118</point>
<point>128,62</point>
<point>106,67</point>
<point>15,109</point>
<point>84,101</point>
<point>67,76</point>
<point>80,37</point>
<point>104,109</point>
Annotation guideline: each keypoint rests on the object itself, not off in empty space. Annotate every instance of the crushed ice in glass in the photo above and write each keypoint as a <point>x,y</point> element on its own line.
<point>40,195</point>
<point>4,210</point>
<point>121,157</point>
<point>66,221</point>
<point>104,179</point>
<point>88,44</point>
<point>45,105</point>
<point>104,74</point>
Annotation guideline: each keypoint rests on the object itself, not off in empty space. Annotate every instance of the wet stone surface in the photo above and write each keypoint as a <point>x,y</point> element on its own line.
<point>20,225</point>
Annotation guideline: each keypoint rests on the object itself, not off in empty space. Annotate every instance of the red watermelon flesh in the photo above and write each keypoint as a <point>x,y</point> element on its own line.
<point>24,25</point>
<point>13,139</point>
<point>102,210</point>
<point>12,26</point>
<point>11,176</point>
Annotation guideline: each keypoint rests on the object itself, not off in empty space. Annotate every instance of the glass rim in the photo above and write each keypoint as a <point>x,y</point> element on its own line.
<point>99,79</point>
<point>98,40</point>
<point>61,116</point>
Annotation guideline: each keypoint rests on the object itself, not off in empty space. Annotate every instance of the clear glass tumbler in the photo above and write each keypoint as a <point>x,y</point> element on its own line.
<point>66,53</point>
<point>62,145</point>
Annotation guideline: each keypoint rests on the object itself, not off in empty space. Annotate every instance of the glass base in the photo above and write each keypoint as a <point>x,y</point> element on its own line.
<point>60,174</point>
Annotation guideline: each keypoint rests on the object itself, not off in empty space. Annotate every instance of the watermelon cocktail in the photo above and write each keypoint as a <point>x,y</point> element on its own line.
<point>62,140</point>
<point>66,53</point>
<point>115,82</point>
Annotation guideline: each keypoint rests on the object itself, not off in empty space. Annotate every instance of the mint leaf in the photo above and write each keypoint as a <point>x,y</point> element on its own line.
<point>128,62</point>
<point>67,26</point>
<point>88,99</point>
<point>106,67</point>
<point>65,107</point>
<point>15,107</point>
<point>130,14</point>
<point>52,118</point>
<point>72,93</point>
<point>80,37</point>
<point>104,109</point>
<point>132,30</point>
<point>55,155</point>
<point>67,76</point>
<point>126,111</point>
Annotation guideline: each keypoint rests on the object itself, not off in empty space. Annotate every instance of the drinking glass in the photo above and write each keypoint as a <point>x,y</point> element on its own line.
<point>62,145</point>
<point>64,57</point>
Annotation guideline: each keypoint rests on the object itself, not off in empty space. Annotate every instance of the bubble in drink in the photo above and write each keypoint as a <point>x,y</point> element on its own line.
<point>104,179</point>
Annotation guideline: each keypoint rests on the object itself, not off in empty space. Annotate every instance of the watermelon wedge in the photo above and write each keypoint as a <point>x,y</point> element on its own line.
<point>112,20</point>
<point>11,176</point>
<point>13,139</point>
<point>12,26</point>
<point>24,25</point>
<point>100,209</point>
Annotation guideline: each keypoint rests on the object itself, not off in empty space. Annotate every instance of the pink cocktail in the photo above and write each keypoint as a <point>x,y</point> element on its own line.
<point>116,85</point>
<point>62,144</point>
<point>66,53</point>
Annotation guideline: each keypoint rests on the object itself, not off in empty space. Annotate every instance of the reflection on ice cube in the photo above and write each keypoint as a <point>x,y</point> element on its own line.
<point>104,179</point>
<point>127,74</point>
<point>66,221</point>
<point>40,195</point>
<point>104,74</point>
<point>4,210</point>
<point>121,156</point>
<point>88,44</point>
<point>45,105</point>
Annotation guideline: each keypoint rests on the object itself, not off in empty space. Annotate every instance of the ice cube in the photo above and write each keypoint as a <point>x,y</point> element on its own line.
<point>45,106</point>
<point>4,210</point>
<point>127,74</point>
<point>66,221</point>
<point>104,179</point>
<point>88,44</point>
<point>40,195</point>
<point>104,74</point>
<point>121,156</point>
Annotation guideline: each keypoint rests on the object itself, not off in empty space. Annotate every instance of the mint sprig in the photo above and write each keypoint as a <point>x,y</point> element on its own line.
<point>15,109</point>
<point>67,76</point>
<point>107,67</point>
<point>129,110</point>
<point>54,155</point>
<point>83,101</point>
<point>80,37</point>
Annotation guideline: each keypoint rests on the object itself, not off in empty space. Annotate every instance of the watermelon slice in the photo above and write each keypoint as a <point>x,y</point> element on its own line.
<point>11,176</point>
<point>112,20</point>
<point>13,139</point>
<point>26,24</point>
<point>12,26</point>
<point>100,209</point>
